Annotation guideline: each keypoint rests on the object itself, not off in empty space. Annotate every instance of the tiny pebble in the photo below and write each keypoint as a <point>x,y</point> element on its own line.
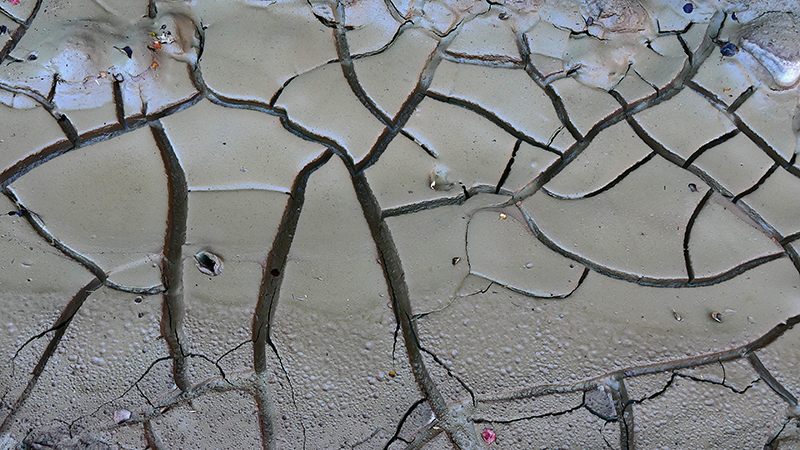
<point>121,415</point>
<point>729,49</point>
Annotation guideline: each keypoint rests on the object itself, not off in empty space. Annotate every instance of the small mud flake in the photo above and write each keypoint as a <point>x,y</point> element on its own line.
<point>121,415</point>
<point>488,435</point>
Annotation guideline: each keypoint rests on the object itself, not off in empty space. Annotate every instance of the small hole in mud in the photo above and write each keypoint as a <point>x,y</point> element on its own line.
<point>138,299</point>
<point>33,56</point>
<point>208,263</point>
<point>275,272</point>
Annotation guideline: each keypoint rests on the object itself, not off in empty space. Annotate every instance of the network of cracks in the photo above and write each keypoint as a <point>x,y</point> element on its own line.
<point>385,225</point>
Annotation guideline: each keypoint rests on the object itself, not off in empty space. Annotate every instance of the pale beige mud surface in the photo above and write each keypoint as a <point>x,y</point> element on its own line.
<point>450,224</point>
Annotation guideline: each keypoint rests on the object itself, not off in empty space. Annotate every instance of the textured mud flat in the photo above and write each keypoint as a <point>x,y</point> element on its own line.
<point>377,224</point>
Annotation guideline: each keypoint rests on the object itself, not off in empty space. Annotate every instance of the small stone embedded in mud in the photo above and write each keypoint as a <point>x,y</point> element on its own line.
<point>438,179</point>
<point>600,403</point>
<point>729,49</point>
<point>688,8</point>
<point>121,415</point>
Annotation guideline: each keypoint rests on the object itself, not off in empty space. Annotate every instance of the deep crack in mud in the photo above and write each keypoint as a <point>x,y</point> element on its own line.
<point>381,224</point>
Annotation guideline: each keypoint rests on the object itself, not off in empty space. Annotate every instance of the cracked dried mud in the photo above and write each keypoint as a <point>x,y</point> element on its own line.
<point>396,224</point>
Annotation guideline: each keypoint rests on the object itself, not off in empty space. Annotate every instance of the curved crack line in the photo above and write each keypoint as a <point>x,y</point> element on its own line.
<point>402,421</point>
<point>537,77</point>
<point>269,290</point>
<point>772,443</point>
<point>460,435</point>
<point>220,99</point>
<point>243,382</point>
<point>441,362</point>
<point>774,384</point>
<point>349,70</point>
<point>687,233</point>
<point>459,199</point>
<point>223,378</point>
<point>654,368</point>
<point>608,186</point>
<point>729,112</point>
<point>274,266</point>
<point>60,327</point>
<point>676,375</point>
<point>307,135</point>
<point>30,162</point>
<point>135,384</point>
<point>531,417</point>
<point>654,144</point>
<point>644,280</point>
<point>402,28</point>
<point>173,308</point>
<point>38,225</point>
<point>409,105</point>
<point>709,145</point>
<point>521,291</point>
<point>755,187</point>
<point>491,117</point>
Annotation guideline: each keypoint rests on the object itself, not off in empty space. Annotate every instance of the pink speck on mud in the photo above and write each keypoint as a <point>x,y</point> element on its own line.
<point>15,2</point>
<point>488,435</point>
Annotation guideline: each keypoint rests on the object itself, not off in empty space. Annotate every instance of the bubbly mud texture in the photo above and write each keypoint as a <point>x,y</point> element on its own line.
<point>447,224</point>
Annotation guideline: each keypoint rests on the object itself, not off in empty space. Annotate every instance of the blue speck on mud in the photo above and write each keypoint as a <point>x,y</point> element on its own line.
<point>729,49</point>
<point>688,8</point>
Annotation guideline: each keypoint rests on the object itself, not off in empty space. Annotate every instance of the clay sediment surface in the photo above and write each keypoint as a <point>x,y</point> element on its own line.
<point>391,224</point>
